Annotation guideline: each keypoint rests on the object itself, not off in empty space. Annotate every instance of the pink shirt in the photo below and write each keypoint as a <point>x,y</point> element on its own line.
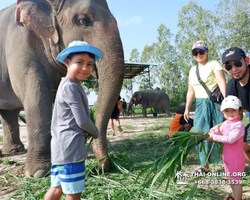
<point>232,138</point>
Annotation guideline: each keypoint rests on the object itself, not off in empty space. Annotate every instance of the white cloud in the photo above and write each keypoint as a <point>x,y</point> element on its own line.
<point>136,19</point>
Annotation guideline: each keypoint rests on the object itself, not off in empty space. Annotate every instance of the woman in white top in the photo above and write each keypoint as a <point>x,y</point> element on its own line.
<point>207,112</point>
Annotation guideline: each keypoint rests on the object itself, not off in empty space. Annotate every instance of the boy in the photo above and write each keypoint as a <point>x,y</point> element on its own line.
<point>71,123</point>
<point>178,123</point>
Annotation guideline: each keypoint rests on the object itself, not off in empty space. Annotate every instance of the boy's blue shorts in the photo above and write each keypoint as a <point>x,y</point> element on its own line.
<point>71,177</point>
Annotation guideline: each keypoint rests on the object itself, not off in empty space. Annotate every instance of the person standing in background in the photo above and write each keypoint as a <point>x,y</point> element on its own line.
<point>124,107</point>
<point>115,116</point>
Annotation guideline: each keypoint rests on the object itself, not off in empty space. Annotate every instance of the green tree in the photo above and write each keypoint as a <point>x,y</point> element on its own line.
<point>148,80</point>
<point>141,79</point>
<point>226,27</point>
<point>128,83</point>
<point>90,84</point>
<point>165,56</point>
<point>233,23</point>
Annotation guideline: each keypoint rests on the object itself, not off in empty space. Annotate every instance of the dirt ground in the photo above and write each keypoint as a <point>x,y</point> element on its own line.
<point>17,166</point>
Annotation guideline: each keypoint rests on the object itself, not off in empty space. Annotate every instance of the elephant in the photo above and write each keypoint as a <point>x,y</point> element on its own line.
<point>33,32</point>
<point>150,99</point>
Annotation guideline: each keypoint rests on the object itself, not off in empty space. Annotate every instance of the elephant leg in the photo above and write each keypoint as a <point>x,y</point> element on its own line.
<point>144,109</point>
<point>166,108</point>
<point>11,137</point>
<point>168,112</point>
<point>38,119</point>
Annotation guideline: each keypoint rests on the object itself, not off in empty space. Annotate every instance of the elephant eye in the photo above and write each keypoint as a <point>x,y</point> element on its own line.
<point>83,20</point>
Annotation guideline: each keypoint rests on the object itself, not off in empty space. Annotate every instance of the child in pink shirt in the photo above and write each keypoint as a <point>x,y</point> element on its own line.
<point>231,134</point>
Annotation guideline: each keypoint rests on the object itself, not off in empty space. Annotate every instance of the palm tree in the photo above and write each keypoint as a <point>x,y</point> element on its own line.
<point>179,175</point>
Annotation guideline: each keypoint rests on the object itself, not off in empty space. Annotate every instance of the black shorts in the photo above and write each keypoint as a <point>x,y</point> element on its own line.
<point>182,128</point>
<point>247,134</point>
<point>115,114</point>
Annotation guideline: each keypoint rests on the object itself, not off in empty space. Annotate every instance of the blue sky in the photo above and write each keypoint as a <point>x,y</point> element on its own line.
<point>138,21</point>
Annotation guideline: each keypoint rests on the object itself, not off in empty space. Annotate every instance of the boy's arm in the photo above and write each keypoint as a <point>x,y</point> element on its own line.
<point>182,120</point>
<point>80,111</point>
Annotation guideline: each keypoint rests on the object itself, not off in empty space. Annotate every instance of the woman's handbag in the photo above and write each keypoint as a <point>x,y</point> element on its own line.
<point>216,95</point>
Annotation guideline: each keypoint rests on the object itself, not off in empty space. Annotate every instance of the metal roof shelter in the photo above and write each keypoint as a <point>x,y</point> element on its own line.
<point>133,69</point>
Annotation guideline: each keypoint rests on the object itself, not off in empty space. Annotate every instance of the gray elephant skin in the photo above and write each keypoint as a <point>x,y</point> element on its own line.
<point>33,32</point>
<point>150,99</point>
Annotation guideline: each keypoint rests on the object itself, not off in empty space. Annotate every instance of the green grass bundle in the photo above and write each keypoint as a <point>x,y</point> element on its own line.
<point>92,117</point>
<point>178,148</point>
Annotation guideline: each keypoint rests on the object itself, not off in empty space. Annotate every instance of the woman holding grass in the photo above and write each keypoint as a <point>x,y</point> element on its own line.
<point>207,112</point>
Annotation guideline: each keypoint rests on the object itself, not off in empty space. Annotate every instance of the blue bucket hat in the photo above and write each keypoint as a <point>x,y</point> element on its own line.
<point>79,46</point>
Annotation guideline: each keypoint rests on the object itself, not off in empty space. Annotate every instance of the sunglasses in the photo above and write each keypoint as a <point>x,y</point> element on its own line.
<point>195,53</point>
<point>228,65</point>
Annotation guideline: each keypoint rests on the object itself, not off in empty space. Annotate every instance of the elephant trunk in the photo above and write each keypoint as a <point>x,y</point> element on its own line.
<point>110,74</point>
<point>131,102</point>
<point>130,106</point>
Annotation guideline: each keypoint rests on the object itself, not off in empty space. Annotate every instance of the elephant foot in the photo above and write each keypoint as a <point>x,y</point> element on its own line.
<point>37,174</point>
<point>13,148</point>
<point>37,168</point>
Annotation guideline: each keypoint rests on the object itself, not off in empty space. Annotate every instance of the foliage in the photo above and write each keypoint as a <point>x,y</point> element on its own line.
<point>178,148</point>
<point>142,80</point>
<point>226,26</point>
<point>90,84</point>
<point>123,180</point>
<point>92,117</point>
<point>92,111</point>
<point>222,28</point>
<point>134,57</point>
<point>233,22</point>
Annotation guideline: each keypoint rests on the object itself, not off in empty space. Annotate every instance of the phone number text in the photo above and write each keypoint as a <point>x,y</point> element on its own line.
<point>218,182</point>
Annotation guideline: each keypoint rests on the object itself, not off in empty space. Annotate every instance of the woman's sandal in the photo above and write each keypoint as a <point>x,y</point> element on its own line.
<point>201,170</point>
<point>120,128</point>
<point>229,198</point>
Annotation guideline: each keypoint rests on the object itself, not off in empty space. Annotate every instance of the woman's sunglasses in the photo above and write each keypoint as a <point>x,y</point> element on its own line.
<point>195,53</point>
<point>228,65</point>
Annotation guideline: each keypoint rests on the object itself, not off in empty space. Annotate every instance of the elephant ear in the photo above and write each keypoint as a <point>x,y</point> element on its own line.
<point>139,97</point>
<point>38,16</point>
